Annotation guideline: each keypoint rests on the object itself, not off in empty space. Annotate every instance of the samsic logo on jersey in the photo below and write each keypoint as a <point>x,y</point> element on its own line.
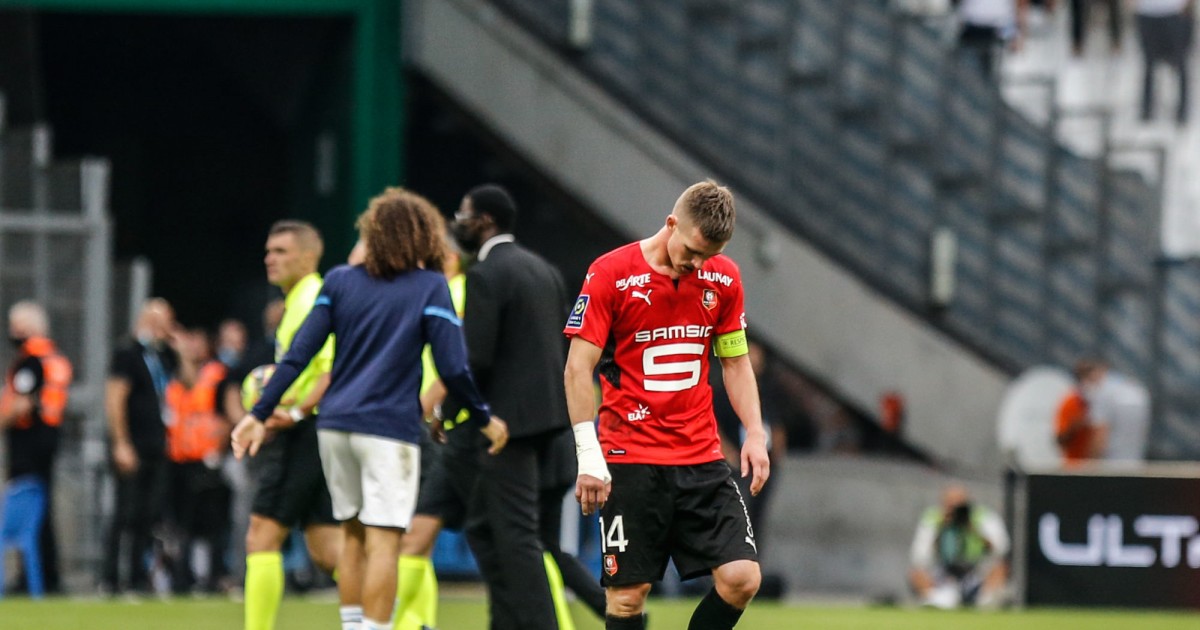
<point>691,331</point>
<point>610,564</point>
<point>638,281</point>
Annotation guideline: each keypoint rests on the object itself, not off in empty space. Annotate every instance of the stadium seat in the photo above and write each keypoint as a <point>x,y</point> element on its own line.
<point>23,510</point>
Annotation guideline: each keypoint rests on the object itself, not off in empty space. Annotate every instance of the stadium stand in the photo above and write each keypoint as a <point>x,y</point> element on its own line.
<point>855,126</point>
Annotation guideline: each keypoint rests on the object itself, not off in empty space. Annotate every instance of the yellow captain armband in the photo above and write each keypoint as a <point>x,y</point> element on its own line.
<point>732,344</point>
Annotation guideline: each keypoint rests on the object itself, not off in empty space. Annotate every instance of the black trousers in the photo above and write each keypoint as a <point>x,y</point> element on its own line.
<point>140,502</point>
<point>504,531</point>
<point>1080,10</point>
<point>199,512</point>
<point>575,575</point>
<point>1165,39</point>
<point>979,45</point>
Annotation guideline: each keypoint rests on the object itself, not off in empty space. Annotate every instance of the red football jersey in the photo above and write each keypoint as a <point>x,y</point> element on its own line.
<point>656,404</point>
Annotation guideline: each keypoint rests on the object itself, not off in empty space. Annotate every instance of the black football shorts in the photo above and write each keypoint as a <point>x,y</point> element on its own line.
<point>289,482</point>
<point>438,496</point>
<point>694,515</point>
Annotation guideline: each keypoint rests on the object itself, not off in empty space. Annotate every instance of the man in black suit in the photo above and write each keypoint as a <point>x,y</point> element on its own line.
<point>516,302</point>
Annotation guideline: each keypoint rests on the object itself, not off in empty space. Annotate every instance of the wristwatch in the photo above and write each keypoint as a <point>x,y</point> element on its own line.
<point>295,414</point>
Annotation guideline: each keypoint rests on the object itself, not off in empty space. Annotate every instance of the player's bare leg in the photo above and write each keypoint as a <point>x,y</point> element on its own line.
<point>324,544</point>
<point>421,535</point>
<point>350,566</point>
<point>625,607</point>
<point>734,585</point>
<point>382,552</point>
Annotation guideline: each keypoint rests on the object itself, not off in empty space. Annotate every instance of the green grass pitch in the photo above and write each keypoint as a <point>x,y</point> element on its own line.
<point>469,614</point>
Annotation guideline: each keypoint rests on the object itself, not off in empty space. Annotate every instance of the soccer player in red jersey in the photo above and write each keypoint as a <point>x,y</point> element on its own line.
<point>648,315</point>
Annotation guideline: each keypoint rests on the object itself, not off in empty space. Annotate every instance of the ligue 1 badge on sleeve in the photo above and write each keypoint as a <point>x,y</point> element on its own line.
<point>709,300</point>
<point>610,564</point>
<point>577,313</point>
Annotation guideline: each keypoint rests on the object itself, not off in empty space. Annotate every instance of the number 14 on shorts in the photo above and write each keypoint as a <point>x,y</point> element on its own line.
<point>613,536</point>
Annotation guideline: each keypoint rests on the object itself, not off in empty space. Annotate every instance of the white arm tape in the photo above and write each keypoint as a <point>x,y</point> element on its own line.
<point>588,453</point>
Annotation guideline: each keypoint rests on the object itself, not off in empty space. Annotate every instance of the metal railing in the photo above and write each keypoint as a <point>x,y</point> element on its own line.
<point>55,248</point>
<point>859,129</point>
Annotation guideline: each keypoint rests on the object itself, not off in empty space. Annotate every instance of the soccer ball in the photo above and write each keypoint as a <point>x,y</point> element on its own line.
<point>253,384</point>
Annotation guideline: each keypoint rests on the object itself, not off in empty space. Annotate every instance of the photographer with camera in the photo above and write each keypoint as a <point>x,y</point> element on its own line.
<point>959,553</point>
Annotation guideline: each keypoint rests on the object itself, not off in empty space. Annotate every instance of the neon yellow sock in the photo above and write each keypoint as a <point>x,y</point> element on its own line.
<point>428,600</point>
<point>416,603</point>
<point>264,589</point>
<point>558,593</point>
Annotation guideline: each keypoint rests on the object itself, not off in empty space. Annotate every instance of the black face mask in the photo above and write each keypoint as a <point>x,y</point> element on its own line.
<point>467,238</point>
<point>17,342</point>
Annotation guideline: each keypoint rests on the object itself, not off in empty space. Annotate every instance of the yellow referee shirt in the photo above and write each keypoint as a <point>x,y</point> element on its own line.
<point>458,295</point>
<point>297,304</point>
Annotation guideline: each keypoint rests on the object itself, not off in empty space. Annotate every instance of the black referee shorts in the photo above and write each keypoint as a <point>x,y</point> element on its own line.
<point>290,484</point>
<point>438,496</point>
<point>693,515</point>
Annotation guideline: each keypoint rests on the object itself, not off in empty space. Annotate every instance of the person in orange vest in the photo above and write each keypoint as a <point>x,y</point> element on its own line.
<point>32,404</point>
<point>1075,428</point>
<point>197,439</point>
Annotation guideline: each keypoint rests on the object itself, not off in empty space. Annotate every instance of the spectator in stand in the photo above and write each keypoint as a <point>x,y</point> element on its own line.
<point>1073,428</point>
<point>958,553</point>
<point>985,25</point>
<point>134,399</point>
<point>1165,30</point>
<point>32,404</point>
<point>1120,409</point>
<point>197,439</point>
<point>231,343</point>
<point>1081,14</point>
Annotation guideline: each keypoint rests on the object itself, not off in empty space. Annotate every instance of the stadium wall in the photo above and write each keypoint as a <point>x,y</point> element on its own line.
<point>842,529</point>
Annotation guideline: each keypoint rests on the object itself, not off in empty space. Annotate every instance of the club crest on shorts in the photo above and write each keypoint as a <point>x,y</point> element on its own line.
<point>610,564</point>
<point>709,299</point>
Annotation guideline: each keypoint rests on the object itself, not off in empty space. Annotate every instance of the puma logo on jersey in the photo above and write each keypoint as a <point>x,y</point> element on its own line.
<point>643,296</point>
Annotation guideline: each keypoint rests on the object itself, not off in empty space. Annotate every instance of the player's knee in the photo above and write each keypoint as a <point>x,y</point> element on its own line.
<point>264,535</point>
<point>324,545</point>
<point>415,544</point>
<point>627,601</point>
<point>323,557</point>
<point>738,585</point>
<point>420,537</point>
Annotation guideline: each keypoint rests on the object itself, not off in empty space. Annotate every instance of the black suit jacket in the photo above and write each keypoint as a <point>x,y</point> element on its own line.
<point>515,311</point>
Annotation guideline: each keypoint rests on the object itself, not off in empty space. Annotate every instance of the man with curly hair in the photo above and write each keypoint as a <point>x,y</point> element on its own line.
<point>383,313</point>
